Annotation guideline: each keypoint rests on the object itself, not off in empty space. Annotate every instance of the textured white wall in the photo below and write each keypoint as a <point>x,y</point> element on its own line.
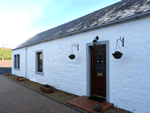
<point>22,70</point>
<point>129,76</point>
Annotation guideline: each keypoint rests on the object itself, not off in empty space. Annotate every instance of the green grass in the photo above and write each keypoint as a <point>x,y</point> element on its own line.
<point>7,52</point>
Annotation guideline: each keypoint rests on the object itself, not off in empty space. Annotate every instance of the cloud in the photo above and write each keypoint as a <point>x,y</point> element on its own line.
<point>16,18</point>
<point>13,27</point>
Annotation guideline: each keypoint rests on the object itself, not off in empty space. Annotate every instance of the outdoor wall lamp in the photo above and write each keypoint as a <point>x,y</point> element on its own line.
<point>118,54</point>
<point>95,40</point>
<point>72,56</point>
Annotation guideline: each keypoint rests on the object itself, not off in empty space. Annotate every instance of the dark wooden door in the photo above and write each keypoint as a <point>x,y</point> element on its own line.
<point>98,75</point>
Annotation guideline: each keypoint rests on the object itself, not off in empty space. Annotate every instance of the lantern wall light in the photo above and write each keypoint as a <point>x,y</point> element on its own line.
<point>95,40</point>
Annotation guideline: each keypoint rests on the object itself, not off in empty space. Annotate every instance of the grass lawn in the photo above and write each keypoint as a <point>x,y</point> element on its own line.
<point>7,52</point>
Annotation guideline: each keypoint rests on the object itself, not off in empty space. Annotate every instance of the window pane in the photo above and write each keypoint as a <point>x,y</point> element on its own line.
<point>15,61</point>
<point>40,63</point>
<point>100,61</point>
<point>18,61</point>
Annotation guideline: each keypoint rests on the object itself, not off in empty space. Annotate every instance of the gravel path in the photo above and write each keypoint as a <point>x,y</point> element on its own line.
<point>15,98</point>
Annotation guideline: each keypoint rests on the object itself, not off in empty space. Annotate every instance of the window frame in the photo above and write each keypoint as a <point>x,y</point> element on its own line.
<point>37,61</point>
<point>17,61</point>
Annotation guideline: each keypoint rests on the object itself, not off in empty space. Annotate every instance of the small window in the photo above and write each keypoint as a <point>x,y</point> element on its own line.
<point>17,61</point>
<point>40,62</point>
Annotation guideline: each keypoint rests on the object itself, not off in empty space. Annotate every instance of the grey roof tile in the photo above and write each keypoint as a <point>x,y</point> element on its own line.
<point>119,10</point>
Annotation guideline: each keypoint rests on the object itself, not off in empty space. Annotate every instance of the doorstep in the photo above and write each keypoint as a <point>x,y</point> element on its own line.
<point>87,104</point>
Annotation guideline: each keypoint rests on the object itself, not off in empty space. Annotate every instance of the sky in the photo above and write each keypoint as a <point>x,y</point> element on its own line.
<point>20,20</point>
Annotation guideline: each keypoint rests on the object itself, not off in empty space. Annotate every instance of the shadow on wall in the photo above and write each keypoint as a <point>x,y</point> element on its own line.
<point>4,70</point>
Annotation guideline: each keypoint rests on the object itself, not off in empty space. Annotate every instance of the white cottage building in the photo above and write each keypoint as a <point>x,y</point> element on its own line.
<point>94,71</point>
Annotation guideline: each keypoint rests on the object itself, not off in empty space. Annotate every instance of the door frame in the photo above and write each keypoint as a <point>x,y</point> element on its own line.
<point>88,68</point>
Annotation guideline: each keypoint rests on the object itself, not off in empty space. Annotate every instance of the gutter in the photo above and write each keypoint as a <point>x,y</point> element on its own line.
<point>26,63</point>
<point>145,14</point>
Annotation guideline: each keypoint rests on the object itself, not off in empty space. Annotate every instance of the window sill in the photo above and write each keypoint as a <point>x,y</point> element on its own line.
<point>39,73</point>
<point>17,69</point>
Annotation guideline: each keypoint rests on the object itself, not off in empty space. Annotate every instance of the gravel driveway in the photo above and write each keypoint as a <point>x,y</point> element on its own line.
<point>15,98</point>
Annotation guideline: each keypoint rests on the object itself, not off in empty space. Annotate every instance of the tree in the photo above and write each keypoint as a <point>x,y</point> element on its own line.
<point>2,49</point>
<point>2,53</point>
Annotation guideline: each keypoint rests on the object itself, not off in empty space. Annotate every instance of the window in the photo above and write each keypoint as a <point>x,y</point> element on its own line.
<point>39,62</point>
<point>17,61</point>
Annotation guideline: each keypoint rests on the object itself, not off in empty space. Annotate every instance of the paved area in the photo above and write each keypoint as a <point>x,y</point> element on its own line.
<point>6,63</point>
<point>4,70</point>
<point>15,98</point>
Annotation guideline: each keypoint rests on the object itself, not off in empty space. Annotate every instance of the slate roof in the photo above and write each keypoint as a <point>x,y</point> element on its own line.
<point>117,11</point>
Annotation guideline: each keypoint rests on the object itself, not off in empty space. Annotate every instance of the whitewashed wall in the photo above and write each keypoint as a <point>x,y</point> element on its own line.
<point>22,70</point>
<point>129,76</point>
